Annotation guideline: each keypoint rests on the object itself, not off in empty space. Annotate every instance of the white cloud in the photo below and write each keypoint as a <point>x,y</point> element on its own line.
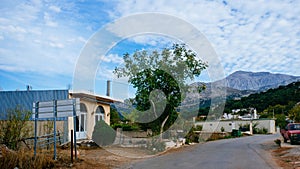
<point>247,35</point>
<point>49,21</point>
<point>55,8</point>
<point>56,45</point>
<point>35,41</point>
<point>153,40</point>
<point>47,37</point>
<point>112,58</point>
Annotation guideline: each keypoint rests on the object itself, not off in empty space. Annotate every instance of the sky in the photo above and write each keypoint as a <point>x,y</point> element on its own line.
<point>41,40</point>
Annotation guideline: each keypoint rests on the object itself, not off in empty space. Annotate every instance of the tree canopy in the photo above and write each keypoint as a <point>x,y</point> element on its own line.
<point>294,113</point>
<point>160,81</point>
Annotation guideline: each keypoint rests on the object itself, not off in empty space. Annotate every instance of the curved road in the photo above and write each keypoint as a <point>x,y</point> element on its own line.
<point>239,153</point>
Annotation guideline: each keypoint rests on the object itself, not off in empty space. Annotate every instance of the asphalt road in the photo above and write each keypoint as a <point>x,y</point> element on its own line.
<point>239,153</point>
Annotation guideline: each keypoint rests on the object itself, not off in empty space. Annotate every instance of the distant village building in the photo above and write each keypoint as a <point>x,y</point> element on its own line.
<point>249,114</point>
<point>92,107</point>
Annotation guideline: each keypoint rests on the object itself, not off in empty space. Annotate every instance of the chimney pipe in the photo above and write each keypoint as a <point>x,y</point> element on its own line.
<point>28,87</point>
<point>108,88</point>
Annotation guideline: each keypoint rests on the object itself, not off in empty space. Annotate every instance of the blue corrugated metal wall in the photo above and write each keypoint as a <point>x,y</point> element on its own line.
<point>10,99</point>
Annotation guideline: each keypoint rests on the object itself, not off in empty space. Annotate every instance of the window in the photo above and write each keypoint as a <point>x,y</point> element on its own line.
<point>99,114</point>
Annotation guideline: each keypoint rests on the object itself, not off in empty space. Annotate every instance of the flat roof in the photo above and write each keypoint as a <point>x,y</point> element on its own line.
<point>83,94</point>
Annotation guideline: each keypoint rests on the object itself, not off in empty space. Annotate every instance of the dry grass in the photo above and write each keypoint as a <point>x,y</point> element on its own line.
<point>25,159</point>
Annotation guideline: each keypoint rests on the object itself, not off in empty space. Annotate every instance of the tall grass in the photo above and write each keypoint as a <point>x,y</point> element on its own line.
<point>23,159</point>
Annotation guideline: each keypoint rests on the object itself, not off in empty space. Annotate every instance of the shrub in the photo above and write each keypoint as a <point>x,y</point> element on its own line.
<point>103,134</point>
<point>278,142</point>
<point>14,128</point>
<point>198,128</point>
<point>192,136</point>
<point>260,131</point>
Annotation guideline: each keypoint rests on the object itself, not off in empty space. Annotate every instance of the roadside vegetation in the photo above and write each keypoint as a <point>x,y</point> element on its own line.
<point>13,153</point>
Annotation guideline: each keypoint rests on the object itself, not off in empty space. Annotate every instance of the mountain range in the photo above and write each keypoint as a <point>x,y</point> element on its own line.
<point>239,84</point>
<point>258,81</point>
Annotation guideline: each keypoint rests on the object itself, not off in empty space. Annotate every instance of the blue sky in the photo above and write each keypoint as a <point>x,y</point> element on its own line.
<point>40,41</point>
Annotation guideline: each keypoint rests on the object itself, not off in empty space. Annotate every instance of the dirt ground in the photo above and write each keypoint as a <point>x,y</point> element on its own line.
<point>287,157</point>
<point>109,158</point>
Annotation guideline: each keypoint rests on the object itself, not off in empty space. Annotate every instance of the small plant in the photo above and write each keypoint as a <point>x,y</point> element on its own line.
<point>278,142</point>
<point>192,136</point>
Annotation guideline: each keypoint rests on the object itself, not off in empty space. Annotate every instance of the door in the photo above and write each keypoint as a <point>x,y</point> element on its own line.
<point>81,123</point>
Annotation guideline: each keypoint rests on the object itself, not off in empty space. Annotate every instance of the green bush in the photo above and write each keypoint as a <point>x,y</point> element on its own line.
<point>14,128</point>
<point>198,128</point>
<point>260,131</point>
<point>103,134</point>
<point>193,137</point>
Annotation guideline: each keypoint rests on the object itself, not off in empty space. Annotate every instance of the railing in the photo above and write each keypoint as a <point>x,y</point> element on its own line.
<point>47,140</point>
<point>44,141</point>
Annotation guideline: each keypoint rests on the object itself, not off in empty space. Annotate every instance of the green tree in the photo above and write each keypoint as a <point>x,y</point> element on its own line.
<point>294,113</point>
<point>280,120</point>
<point>114,116</point>
<point>160,80</point>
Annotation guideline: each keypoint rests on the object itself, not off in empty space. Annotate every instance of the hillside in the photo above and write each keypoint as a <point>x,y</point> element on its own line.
<point>239,84</point>
<point>287,95</point>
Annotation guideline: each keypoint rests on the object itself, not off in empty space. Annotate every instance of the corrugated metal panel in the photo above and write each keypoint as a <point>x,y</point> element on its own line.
<point>10,99</point>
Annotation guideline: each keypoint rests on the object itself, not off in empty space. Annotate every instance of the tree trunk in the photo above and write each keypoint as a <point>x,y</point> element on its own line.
<point>162,127</point>
<point>154,109</point>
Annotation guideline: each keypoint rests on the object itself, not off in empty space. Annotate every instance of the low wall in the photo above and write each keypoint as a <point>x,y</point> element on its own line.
<point>228,125</point>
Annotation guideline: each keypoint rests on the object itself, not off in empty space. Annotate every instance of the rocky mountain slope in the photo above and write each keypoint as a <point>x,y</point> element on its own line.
<point>258,81</point>
<point>239,84</point>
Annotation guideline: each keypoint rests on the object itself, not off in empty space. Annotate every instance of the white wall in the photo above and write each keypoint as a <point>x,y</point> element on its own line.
<point>215,126</point>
